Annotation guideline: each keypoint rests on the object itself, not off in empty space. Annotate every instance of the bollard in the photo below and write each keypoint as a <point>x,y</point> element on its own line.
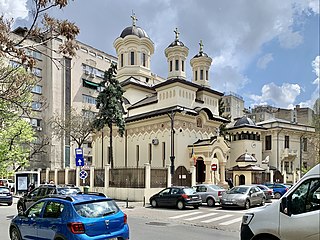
<point>127,204</point>
<point>86,189</point>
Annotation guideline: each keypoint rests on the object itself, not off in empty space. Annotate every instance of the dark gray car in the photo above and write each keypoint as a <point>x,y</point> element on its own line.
<point>243,196</point>
<point>209,193</point>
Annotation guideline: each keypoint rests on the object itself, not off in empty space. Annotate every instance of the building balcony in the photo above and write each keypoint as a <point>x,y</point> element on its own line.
<point>287,153</point>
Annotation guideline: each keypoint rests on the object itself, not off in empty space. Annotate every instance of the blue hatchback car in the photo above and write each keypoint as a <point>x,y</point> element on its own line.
<point>278,189</point>
<point>67,217</point>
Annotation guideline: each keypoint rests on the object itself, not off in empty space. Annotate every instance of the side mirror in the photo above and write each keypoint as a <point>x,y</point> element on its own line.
<point>285,206</point>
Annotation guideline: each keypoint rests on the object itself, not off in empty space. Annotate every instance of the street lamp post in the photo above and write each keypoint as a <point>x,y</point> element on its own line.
<point>172,157</point>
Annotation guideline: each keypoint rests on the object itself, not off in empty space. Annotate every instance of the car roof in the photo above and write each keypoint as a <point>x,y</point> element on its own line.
<point>79,198</point>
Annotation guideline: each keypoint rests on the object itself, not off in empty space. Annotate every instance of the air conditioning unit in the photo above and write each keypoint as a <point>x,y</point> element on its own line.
<point>155,141</point>
<point>39,129</point>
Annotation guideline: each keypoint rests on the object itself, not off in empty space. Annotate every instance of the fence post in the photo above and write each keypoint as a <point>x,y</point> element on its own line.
<point>47,174</point>
<point>147,169</point>
<point>56,175</point>
<point>77,176</point>
<point>168,176</point>
<point>91,177</point>
<point>39,176</point>
<point>106,175</point>
<point>193,175</point>
<point>66,175</point>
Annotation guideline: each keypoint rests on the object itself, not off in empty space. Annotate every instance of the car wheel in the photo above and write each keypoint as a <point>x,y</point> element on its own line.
<point>247,204</point>
<point>20,208</point>
<point>277,195</point>
<point>210,202</point>
<point>180,205</point>
<point>14,234</point>
<point>154,203</point>
<point>263,202</point>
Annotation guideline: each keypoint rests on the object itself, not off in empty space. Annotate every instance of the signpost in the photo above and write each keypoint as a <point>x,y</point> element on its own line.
<point>214,169</point>
<point>83,175</point>
<point>79,157</point>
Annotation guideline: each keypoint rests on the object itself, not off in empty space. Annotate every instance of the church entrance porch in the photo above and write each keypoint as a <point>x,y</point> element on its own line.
<point>200,171</point>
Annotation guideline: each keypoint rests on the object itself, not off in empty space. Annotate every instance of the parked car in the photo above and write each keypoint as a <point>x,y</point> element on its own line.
<point>81,216</point>
<point>209,193</point>
<point>42,191</point>
<point>5,195</point>
<point>294,217</point>
<point>7,183</point>
<point>179,197</point>
<point>278,189</point>
<point>243,196</point>
<point>268,192</point>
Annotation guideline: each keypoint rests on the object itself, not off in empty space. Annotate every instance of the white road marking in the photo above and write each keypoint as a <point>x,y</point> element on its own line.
<point>228,211</point>
<point>231,221</point>
<point>185,215</point>
<point>217,218</point>
<point>202,216</point>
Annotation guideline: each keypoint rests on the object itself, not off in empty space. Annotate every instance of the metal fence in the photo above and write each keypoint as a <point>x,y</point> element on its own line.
<point>51,176</point>
<point>99,177</point>
<point>159,178</point>
<point>258,178</point>
<point>85,182</point>
<point>127,177</point>
<point>61,177</point>
<point>72,176</point>
<point>43,176</point>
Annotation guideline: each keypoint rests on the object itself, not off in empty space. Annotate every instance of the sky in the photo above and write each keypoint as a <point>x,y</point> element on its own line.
<point>266,51</point>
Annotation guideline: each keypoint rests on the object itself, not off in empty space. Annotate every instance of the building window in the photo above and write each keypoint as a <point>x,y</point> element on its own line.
<point>207,75</point>
<point>199,122</point>
<point>268,142</point>
<point>143,59</point>
<point>163,154</point>
<point>37,72</point>
<point>305,144</point>
<point>150,152</point>
<point>170,66</point>
<point>201,74</point>
<point>196,75</point>
<point>35,122</point>
<point>286,141</point>
<point>182,65</point>
<point>137,155</point>
<point>286,166</point>
<point>121,60</point>
<point>36,106</point>
<point>177,65</point>
<point>37,89</point>
<point>88,99</point>
<point>131,58</point>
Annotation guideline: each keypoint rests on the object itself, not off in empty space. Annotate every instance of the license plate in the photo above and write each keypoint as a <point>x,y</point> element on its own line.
<point>194,197</point>
<point>112,239</point>
<point>229,203</point>
<point>3,195</point>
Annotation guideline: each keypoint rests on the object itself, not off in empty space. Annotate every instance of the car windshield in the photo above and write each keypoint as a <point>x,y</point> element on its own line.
<point>68,190</point>
<point>189,191</point>
<point>96,209</point>
<point>237,190</point>
<point>4,190</point>
<point>216,187</point>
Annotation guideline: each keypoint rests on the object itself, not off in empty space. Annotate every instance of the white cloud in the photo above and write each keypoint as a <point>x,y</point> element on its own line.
<point>316,69</point>
<point>289,39</point>
<point>283,96</point>
<point>264,61</point>
<point>14,9</point>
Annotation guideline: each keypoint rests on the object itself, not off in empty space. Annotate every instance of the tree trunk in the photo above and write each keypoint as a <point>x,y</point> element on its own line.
<point>110,152</point>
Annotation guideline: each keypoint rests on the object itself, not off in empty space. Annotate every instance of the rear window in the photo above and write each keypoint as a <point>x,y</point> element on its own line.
<point>237,190</point>
<point>96,209</point>
<point>4,190</point>
<point>189,191</point>
<point>68,190</point>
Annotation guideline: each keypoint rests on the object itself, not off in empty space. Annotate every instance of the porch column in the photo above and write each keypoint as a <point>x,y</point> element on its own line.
<point>66,175</point>
<point>56,175</point>
<point>147,168</point>
<point>47,175</point>
<point>193,175</point>
<point>271,176</point>
<point>285,177</point>
<point>222,167</point>
<point>168,176</point>
<point>293,170</point>
<point>91,182</point>
<point>208,172</point>
<point>106,175</point>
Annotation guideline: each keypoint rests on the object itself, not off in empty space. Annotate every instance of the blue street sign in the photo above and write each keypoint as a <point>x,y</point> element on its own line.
<point>83,174</point>
<point>79,157</point>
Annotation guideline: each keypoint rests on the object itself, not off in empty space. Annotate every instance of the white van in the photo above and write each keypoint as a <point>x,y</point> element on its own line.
<point>295,216</point>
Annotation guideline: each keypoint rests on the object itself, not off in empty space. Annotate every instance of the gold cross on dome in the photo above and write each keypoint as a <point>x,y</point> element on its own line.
<point>134,19</point>
<point>201,46</point>
<point>177,33</point>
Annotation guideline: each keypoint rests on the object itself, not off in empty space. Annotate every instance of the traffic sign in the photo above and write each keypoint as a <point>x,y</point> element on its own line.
<point>83,174</point>
<point>214,167</point>
<point>79,157</point>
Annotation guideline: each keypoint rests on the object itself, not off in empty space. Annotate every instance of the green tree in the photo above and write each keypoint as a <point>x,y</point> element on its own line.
<point>15,136</point>
<point>109,104</point>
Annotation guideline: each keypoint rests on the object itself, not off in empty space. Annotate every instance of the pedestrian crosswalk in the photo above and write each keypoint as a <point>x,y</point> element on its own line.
<point>223,218</point>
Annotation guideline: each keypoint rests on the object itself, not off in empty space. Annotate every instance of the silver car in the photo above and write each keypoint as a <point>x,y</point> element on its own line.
<point>243,196</point>
<point>209,193</point>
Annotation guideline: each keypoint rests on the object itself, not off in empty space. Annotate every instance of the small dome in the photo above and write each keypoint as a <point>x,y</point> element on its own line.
<point>246,158</point>
<point>201,54</point>
<point>244,121</point>
<point>176,43</point>
<point>134,30</point>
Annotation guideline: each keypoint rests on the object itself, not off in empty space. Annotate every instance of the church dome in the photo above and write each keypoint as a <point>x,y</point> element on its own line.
<point>176,43</point>
<point>134,30</point>
<point>201,54</point>
<point>244,121</point>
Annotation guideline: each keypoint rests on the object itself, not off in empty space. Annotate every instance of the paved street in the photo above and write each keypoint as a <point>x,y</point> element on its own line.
<point>147,222</point>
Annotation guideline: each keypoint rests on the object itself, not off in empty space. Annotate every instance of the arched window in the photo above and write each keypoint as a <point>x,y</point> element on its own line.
<point>199,122</point>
